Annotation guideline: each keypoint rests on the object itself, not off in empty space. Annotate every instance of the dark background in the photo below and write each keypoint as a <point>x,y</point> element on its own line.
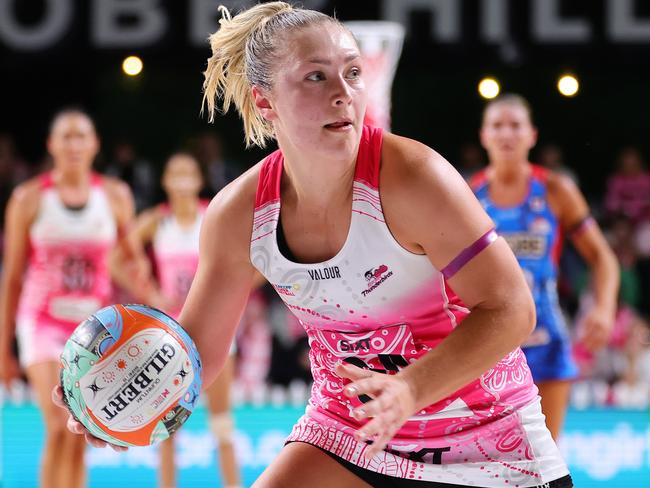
<point>434,92</point>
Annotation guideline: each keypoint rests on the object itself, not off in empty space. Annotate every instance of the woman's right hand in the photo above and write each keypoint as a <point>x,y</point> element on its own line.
<point>9,369</point>
<point>77,428</point>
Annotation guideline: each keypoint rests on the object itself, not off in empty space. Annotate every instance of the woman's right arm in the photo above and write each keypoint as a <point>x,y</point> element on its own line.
<point>21,209</point>
<point>221,285</point>
<point>224,278</point>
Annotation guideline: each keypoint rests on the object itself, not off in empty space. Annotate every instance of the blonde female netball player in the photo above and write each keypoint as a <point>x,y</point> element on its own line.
<point>413,306</point>
<point>172,229</point>
<point>60,228</point>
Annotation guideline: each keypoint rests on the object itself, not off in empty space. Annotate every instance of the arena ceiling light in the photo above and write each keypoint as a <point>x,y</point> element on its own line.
<point>489,88</point>
<point>568,85</point>
<point>132,65</point>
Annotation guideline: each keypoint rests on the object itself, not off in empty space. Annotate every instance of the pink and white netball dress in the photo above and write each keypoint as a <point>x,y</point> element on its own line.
<point>67,276</point>
<point>381,307</point>
<point>176,251</point>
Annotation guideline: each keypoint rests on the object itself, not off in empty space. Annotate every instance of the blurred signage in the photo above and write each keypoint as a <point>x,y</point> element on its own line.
<point>143,23</point>
<point>603,448</point>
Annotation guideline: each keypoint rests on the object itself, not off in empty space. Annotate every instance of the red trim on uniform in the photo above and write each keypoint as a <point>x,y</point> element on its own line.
<point>366,170</point>
<point>478,180</point>
<point>46,180</point>
<point>540,173</point>
<point>556,249</point>
<point>268,184</point>
<point>369,156</point>
<point>96,179</point>
<point>165,209</point>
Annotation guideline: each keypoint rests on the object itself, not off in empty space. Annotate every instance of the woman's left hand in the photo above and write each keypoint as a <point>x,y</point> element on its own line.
<point>393,402</point>
<point>597,328</point>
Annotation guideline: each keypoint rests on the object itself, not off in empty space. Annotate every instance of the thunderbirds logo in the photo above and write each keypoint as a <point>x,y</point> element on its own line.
<point>376,277</point>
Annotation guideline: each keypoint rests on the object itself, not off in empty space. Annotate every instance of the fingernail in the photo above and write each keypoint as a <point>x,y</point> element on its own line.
<point>351,390</point>
<point>359,413</point>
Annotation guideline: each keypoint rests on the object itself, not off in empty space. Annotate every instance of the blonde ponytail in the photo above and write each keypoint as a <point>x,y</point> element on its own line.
<point>244,51</point>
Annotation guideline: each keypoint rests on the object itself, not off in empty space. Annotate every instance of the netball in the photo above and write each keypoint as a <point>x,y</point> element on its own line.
<point>130,374</point>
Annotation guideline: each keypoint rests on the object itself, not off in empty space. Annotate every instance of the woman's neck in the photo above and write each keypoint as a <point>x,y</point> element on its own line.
<point>70,178</point>
<point>184,209</point>
<point>315,182</point>
<point>509,171</point>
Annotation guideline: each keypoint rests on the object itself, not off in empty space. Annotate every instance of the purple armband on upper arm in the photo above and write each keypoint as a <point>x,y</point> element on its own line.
<point>468,253</point>
<point>581,226</point>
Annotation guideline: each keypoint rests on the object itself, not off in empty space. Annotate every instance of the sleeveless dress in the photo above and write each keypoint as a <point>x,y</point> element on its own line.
<point>378,306</point>
<point>67,276</point>
<point>534,235</point>
<point>176,252</point>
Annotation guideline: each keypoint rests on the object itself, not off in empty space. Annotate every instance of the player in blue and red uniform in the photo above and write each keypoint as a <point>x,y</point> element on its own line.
<point>533,208</point>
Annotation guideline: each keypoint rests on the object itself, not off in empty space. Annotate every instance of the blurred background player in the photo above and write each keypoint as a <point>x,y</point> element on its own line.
<point>172,231</point>
<point>532,208</point>
<point>59,229</point>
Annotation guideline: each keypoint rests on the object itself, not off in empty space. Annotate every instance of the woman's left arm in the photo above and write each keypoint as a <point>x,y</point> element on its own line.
<point>129,266</point>
<point>121,202</point>
<point>444,218</point>
<point>573,212</point>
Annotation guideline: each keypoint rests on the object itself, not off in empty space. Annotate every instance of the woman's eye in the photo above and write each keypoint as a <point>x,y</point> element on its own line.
<point>315,76</point>
<point>354,73</point>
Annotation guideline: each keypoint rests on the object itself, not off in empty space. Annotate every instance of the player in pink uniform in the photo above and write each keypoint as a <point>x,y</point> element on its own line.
<point>173,231</point>
<point>364,235</point>
<point>60,227</point>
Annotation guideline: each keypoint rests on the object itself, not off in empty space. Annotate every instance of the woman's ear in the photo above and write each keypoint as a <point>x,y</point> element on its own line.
<point>263,104</point>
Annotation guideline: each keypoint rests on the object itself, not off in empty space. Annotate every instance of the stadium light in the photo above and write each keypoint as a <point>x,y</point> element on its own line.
<point>132,65</point>
<point>489,88</point>
<point>568,85</point>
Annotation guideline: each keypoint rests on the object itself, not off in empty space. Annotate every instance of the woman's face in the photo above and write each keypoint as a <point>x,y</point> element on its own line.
<point>73,142</point>
<point>182,177</point>
<point>318,99</point>
<point>630,161</point>
<point>507,133</point>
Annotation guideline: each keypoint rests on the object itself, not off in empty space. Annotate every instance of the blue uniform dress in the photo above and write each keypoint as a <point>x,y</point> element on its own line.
<point>533,232</point>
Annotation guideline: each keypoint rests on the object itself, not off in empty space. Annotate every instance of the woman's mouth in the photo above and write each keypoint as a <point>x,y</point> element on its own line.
<point>339,126</point>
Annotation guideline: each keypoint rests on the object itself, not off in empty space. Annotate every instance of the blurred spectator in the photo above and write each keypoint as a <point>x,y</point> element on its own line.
<point>550,156</point>
<point>208,149</point>
<point>136,172</point>
<point>622,239</point>
<point>643,265</point>
<point>632,390</point>
<point>618,374</point>
<point>628,188</point>
<point>628,193</point>
<point>470,160</point>
<point>13,170</point>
